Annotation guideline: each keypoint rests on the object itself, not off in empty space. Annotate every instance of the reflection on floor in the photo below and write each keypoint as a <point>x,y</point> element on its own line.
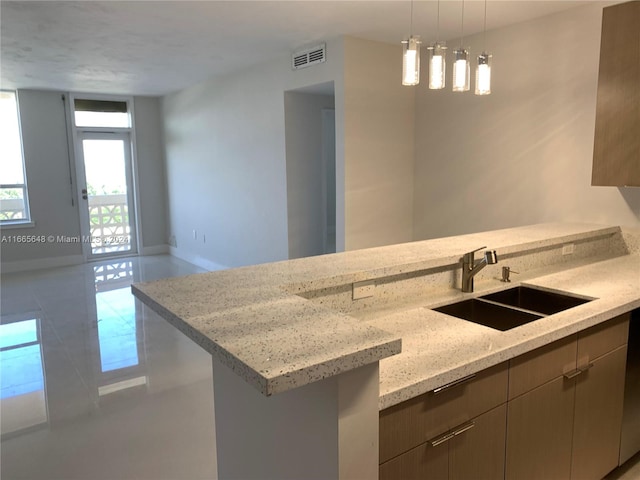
<point>96,386</point>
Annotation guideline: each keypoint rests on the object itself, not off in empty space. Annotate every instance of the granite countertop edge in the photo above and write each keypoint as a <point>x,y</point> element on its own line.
<point>245,303</point>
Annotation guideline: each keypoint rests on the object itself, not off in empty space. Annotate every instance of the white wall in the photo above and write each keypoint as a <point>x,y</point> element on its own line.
<point>226,162</point>
<point>226,167</point>
<point>46,155</point>
<point>151,175</point>
<point>379,146</point>
<point>305,172</point>
<point>46,158</point>
<point>523,154</point>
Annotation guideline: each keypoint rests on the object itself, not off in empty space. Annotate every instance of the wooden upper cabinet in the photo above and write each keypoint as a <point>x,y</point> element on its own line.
<point>616,150</point>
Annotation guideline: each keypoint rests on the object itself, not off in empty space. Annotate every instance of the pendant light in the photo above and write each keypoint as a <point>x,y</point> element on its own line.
<point>437,60</point>
<point>483,69</point>
<point>411,57</point>
<point>461,67</point>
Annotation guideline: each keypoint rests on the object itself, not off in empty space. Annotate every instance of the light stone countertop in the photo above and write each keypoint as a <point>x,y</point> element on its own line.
<point>251,319</point>
<point>438,349</point>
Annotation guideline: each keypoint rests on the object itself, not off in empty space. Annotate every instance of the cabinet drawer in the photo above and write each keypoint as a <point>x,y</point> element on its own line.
<point>476,452</point>
<point>422,418</point>
<point>419,463</point>
<point>600,339</point>
<point>539,366</point>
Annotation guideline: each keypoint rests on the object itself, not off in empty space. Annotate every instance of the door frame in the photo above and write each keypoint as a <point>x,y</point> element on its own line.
<point>76,152</point>
<point>85,223</point>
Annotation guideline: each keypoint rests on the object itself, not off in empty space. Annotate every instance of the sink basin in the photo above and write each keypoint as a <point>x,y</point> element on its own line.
<point>511,308</point>
<point>539,301</point>
<point>488,314</point>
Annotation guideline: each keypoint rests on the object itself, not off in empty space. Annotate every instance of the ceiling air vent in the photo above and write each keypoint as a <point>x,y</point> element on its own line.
<point>308,57</point>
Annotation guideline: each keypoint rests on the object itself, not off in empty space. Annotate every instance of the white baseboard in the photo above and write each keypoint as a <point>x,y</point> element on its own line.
<point>196,260</point>
<point>155,250</point>
<point>41,263</point>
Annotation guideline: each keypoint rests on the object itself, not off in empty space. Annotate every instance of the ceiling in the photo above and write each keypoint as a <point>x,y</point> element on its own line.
<point>157,47</point>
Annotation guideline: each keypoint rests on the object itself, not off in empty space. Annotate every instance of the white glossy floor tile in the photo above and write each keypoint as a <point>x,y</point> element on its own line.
<point>96,386</point>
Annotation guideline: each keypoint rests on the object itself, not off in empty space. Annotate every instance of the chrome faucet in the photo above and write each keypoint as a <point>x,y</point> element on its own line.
<point>470,266</point>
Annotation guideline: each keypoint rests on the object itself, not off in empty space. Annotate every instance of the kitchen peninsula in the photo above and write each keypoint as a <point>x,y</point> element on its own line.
<point>307,352</point>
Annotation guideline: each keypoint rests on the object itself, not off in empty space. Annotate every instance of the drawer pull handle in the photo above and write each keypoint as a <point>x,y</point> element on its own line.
<point>578,371</point>
<point>464,428</point>
<point>444,438</point>
<point>452,433</point>
<point>586,367</point>
<point>572,374</point>
<point>454,384</point>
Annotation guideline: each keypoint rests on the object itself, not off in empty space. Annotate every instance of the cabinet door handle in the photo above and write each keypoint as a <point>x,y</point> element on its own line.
<point>586,367</point>
<point>573,374</point>
<point>578,371</point>
<point>452,433</point>
<point>454,384</point>
<point>444,438</point>
<point>463,428</point>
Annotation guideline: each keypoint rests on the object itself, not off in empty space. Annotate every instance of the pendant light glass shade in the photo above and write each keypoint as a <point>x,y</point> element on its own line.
<point>437,66</point>
<point>461,70</point>
<point>483,74</point>
<point>411,61</point>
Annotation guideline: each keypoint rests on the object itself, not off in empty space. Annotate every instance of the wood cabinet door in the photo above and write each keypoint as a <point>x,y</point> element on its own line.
<point>424,462</point>
<point>539,431</point>
<point>478,453</point>
<point>598,416</point>
<point>616,146</point>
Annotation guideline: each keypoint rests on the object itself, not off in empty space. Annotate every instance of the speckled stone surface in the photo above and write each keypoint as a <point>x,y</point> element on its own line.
<point>438,349</point>
<point>253,320</point>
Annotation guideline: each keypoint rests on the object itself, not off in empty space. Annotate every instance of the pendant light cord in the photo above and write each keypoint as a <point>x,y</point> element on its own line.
<point>411,22</point>
<point>438,24</point>
<point>462,28</point>
<point>484,36</point>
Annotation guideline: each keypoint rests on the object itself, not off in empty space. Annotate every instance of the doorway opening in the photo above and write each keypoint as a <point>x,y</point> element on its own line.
<point>310,140</point>
<point>104,170</point>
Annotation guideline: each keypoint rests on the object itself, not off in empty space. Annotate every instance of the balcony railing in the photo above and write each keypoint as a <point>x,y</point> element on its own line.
<point>12,209</point>
<point>109,220</point>
<point>108,217</point>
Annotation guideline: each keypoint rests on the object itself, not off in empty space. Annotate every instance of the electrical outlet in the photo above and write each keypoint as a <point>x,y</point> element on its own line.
<point>172,241</point>
<point>568,249</point>
<point>363,289</point>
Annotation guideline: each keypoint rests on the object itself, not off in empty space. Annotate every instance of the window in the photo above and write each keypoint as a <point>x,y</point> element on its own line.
<point>14,202</point>
<point>101,113</point>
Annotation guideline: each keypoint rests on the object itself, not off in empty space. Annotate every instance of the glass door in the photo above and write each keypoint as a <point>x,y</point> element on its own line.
<point>104,177</point>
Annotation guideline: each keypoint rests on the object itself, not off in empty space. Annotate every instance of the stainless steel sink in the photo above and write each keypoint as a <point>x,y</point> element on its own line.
<point>488,314</point>
<point>511,308</point>
<point>540,301</point>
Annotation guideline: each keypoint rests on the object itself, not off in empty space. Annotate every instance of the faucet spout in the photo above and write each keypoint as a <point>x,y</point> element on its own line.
<point>470,266</point>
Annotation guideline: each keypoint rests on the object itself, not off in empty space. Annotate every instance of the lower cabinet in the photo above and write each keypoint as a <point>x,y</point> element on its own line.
<point>566,424</point>
<point>474,450</point>
<point>540,424</point>
<point>598,417</point>
<point>479,452</point>
<point>447,433</point>
<point>554,413</point>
